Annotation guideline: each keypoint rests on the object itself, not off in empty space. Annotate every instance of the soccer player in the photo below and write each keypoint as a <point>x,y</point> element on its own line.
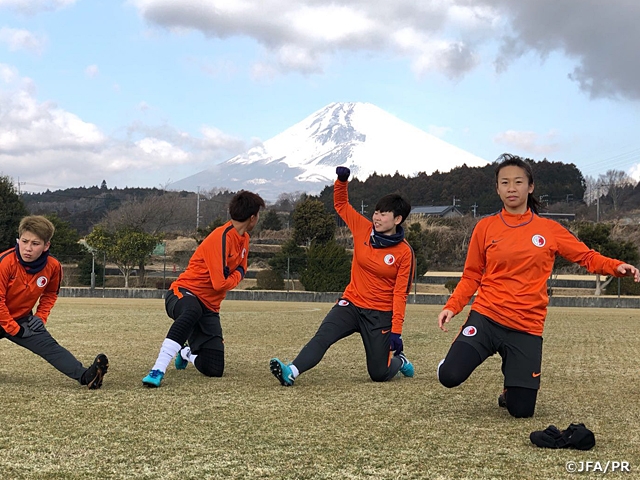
<point>193,300</point>
<point>373,304</point>
<point>29,275</point>
<point>510,258</point>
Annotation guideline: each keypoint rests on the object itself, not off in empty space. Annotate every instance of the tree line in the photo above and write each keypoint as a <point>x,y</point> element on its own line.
<point>125,225</point>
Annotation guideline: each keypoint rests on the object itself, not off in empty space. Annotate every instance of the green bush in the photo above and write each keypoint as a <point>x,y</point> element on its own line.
<point>328,268</point>
<point>269,280</point>
<point>451,285</point>
<point>84,267</point>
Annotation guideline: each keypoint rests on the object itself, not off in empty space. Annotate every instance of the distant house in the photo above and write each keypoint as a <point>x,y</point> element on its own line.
<point>559,216</point>
<point>444,211</point>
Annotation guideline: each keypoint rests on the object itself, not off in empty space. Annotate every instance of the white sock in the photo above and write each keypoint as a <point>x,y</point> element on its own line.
<point>294,370</point>
<point>185,352</point>
<point>168,350</point>
<point>188,356</point>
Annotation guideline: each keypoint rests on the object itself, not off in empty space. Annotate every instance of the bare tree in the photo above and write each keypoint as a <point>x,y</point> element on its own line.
<point>154,216</point>
<point>592,190</point>
<point>614,184</point>
<point>286,202</point>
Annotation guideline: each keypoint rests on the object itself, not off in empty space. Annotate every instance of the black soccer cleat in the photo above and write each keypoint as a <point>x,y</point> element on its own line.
<point>92,377</point>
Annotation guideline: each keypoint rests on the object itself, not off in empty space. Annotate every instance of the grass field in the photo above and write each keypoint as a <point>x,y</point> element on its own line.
<point>334,423</point>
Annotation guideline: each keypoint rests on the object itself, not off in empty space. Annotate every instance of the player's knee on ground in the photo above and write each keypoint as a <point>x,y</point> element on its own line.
<point>210,362</point>
<point>461,360</point>
<point>450,374</point>
<point>379,375</point>
<point>521,402</point>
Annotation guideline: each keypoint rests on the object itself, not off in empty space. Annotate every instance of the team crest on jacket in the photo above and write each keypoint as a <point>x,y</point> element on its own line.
<point>469,331</point>
<point>343,303</point>
<point>389,259</point>
<point>42,281</point>
<point>538,240</point>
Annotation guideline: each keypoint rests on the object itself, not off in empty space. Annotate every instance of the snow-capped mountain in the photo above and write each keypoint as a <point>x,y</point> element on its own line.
<point>304,157</point>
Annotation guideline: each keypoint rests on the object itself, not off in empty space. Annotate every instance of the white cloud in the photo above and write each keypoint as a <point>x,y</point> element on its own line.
<point>91,71</point>
<point>303,35</point>
<point>35,6</point>
<point>19,39</point>
<point>529,142</point>
<point>634,172</point>
<point>8,74</point>
<point>445,36</point>
<point>47,145</point>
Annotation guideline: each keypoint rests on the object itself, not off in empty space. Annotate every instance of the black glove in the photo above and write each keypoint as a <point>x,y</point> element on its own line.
<point>241,270</point>
<point>35,324</point>
<point>24,332</point>
<point>343,173</point>
<point>396,342</point>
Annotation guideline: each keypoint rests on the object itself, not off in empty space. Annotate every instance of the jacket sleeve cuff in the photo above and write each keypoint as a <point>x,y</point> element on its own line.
<point>396,327</point>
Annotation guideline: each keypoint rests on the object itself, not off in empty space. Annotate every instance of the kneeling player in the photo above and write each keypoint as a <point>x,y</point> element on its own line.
<point>193,300</point>
<point>510,258</point>
<point>374,302</point>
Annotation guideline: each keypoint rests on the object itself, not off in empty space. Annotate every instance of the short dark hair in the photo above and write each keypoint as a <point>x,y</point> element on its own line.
<point>395,203</point>
<point>244,204</point>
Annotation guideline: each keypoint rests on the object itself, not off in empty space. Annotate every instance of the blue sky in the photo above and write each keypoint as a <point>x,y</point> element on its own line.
<point>147,92</point>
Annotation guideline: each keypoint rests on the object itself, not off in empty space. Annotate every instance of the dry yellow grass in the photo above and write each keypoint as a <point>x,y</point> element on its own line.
<point>334,423</point>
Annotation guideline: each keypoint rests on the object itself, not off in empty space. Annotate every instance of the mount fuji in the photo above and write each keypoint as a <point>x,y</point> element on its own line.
<point>303,158</point>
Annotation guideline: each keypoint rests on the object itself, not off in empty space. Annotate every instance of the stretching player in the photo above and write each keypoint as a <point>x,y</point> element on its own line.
<point>373,304</point>
<point>510,258</point>
<point>193,300</point>
<point>29,275</point>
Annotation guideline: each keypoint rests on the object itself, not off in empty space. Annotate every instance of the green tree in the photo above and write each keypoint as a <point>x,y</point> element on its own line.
<point>312,223</point>
<point>269,280</point>
<point>126,248</point>
<point>65,244</point>
<point>88,264</point>
<point>271,221</point>
<point>413,234</point>
<point>598,237</point>
<point>203,233</point>
<point>328,267</point>
<point>12,210</point>
<point>291,258</point>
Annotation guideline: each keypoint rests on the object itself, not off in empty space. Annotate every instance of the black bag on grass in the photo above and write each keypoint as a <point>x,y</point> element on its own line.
<point>575,436</point>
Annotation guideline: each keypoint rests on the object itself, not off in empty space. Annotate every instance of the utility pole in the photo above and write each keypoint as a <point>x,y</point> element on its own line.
<point>474,207</point>
<point>598,204</point>
<point>198,209</point>
<point>18,183</point>
<point>362,207</point>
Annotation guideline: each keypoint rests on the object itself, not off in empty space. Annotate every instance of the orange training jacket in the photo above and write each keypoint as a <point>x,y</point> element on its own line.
<point>509,260</point>
<point>204,276</point>
<point>380,277</point>
<point>19,290</point>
